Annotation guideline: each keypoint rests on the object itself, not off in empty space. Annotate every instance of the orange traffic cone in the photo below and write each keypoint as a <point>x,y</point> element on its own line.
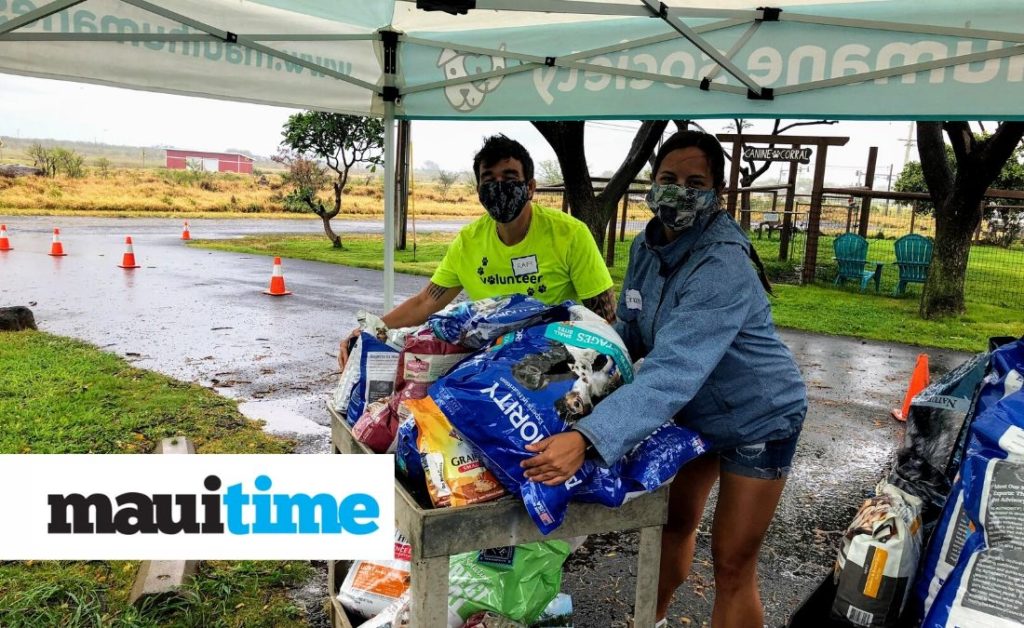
<point>918,382</point>
<point>57,249</point>
<point>277,288</point>
<point>5,244</point>
<point>128,261</point>
<point>184,232</point>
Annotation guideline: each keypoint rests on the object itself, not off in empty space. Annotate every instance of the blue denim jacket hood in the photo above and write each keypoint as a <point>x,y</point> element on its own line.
<point>695,310</point>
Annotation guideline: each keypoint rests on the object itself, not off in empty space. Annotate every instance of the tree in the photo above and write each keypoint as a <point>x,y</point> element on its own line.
<point>911,179</point>
<point>68,162</point>
<point>594,208</point>
<point>54,161</point>
<point>1011,177</point>
<point>445,180</point>
<point>751,171</point>
<point>550,173</point>
<point>341,141</point>
<point>307,179</point>
<point>103,166</point>
<point>430,168</point>
<point>43,158</point>
<point>956,195</point>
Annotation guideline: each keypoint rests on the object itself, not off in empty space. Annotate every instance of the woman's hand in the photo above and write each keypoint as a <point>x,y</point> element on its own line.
<point>343,351</point>
<point>558,458</point>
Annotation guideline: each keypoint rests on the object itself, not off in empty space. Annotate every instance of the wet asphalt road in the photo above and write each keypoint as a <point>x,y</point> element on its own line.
<point>200,316</point>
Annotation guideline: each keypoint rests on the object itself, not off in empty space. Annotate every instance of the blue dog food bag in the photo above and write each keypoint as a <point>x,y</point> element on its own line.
<point>986,586</point>
<point>475,324</point>
<point>1005,377</point>
<point>537,382</point>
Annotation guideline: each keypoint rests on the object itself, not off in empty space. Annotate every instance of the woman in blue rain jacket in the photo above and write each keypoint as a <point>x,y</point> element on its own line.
<point>695,309</point>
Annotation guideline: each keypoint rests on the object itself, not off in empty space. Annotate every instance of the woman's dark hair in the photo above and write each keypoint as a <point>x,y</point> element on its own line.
<point>498,147</point>
<point>706,142</point>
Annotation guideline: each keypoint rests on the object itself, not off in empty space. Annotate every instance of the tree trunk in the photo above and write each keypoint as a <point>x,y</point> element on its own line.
<point>596,210</point>
<point>957,199</point>
<point>333,237</point>
<point>944,290</point>
<point>566,139</point>
<point>327,216</point>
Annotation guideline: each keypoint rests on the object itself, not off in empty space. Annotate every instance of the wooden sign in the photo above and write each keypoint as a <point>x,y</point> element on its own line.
<point>802,155</point>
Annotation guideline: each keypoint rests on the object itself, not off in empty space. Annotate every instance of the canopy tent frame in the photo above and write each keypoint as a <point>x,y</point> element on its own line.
<point>34,16</point>
<point>387,92</point>
<point>530,62</point>
<point>659,8</point>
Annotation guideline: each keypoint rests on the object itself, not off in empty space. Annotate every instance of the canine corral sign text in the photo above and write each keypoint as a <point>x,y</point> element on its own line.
<point>802,155</point>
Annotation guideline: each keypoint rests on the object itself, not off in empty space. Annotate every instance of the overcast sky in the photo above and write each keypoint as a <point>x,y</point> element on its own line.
<point>31,107</point>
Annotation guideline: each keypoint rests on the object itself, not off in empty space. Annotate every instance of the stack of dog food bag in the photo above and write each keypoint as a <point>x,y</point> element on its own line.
<point>457,401</point>
<point>971,573</point>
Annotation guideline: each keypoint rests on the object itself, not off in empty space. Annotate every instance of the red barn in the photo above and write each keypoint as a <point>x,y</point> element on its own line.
<point>210,162</point>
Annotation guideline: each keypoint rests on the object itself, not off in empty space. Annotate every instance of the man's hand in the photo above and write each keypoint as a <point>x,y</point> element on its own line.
<point>343,349</point>
<point>558,458</point>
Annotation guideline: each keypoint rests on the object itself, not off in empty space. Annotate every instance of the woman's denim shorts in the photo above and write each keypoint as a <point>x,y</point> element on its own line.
<point>769,460</point>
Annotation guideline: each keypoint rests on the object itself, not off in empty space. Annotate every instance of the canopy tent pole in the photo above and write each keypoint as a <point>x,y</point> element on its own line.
<point>37,14</point>
<point>687,31</point>
<point>571,61</point>
<point>389,205</point>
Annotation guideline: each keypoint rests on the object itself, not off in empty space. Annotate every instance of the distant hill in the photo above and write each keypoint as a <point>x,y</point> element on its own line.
<point>14,151</point>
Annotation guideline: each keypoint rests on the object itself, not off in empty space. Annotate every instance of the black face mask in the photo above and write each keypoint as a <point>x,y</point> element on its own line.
<point>504,200</point>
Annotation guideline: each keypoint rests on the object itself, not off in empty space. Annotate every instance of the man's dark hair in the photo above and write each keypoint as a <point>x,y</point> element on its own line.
<point>498,147</point>
<point>706,142</point>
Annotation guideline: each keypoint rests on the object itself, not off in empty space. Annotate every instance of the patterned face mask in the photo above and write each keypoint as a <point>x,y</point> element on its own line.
<point>504,200</point>
<point>680,207</point>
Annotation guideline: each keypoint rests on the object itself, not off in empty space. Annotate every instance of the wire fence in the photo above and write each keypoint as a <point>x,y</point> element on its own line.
<point>995,271</point>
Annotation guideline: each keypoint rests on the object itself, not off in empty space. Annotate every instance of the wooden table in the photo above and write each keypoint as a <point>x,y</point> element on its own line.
<point>436,534</point>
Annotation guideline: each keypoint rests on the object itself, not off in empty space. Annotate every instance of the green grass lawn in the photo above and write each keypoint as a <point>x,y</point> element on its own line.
<point>59,395</point>
<point>820,307</point>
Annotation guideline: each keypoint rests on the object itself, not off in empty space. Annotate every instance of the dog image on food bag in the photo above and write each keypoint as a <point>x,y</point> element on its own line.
<point>593,374</point>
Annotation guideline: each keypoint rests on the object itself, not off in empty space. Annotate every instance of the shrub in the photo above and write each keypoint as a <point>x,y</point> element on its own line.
<point>103,167</point>
<point>445,180</point>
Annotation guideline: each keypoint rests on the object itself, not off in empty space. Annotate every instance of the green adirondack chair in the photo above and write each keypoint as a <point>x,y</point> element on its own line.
<point>851,255</point>
<point>913,256</point>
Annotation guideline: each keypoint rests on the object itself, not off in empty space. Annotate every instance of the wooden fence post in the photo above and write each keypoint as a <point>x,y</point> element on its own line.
<point>869,183</point>
<point>159,578</point>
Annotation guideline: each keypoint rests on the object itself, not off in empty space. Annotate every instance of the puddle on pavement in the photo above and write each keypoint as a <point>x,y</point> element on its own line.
<point>281,419</point>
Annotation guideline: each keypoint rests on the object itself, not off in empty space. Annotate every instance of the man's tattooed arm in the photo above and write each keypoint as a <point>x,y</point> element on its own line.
<point>435,292</point>
<point>603,305</point>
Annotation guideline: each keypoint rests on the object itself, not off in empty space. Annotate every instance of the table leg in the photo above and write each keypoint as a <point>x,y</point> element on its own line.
<point>429,605</point>
<point>648,567</point>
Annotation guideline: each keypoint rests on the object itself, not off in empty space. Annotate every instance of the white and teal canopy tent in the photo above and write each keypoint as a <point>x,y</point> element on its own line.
<point>540,59</point>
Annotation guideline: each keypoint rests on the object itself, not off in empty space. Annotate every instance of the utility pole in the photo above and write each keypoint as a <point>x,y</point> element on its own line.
<point>888,188</point>
<point>909,142</point>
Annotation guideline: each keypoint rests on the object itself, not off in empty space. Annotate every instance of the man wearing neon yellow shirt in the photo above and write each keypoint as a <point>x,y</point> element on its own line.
<point>516,247</point>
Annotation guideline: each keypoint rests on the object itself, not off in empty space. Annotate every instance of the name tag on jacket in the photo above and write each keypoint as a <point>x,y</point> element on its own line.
<point>633,300</point>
